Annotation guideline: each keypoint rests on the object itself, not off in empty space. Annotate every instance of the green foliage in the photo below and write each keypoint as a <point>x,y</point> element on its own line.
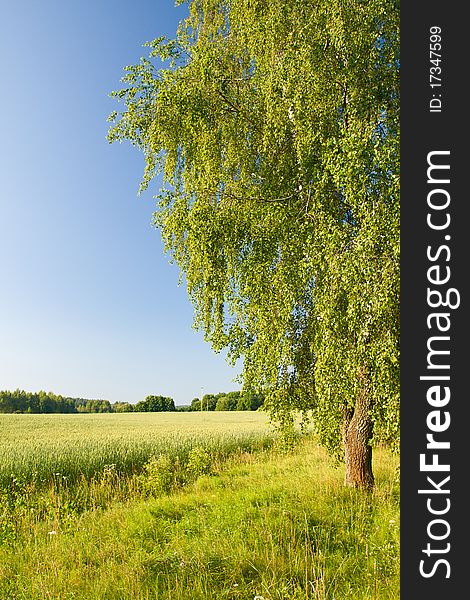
<point>155,404</point>
<point>120,407</point>
<point>92,406</point>
<point>228,401</point>
<point>239,400</point>
<point>199,462</point>
<point>195,404</point>
<point>42,402</point>
<point>209,402</point>
<point>158,476</point>
<point>250,401</point>
<point>164,473</point>
<point>276,130</point>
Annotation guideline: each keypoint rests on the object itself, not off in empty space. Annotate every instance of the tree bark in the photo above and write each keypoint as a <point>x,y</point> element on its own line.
<point>357,434</point>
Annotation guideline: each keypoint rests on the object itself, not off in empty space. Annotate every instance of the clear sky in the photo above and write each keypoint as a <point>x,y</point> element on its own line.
<point>89,305</point>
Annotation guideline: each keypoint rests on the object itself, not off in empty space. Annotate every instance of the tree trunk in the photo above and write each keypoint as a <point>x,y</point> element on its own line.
<point>357,433</point>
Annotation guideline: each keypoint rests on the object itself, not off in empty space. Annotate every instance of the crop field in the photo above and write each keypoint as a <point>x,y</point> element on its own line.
<point>187,506</point>
<point>38,448</point>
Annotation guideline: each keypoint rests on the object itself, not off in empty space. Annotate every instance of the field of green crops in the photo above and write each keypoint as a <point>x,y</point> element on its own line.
<point>187,506</point>
<point>37,448</point>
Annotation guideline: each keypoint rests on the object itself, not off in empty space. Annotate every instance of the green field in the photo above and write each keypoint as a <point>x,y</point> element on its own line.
<point>39,447</point>
<point>187,506</point>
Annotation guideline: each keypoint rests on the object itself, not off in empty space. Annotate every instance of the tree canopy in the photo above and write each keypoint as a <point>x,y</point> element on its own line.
<point>155,404</point>
<point>275,128</point>
<point>238,400</point>
<point>19,401</point>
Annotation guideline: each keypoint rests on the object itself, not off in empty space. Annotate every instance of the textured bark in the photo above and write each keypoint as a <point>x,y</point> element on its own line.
<point>357,433</point>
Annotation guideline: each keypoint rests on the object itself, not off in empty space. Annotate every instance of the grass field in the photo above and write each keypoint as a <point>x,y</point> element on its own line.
<point>37,447</point>
<point>211,509</point>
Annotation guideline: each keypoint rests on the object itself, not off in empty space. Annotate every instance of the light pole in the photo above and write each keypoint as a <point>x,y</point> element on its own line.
<point>202,389</point>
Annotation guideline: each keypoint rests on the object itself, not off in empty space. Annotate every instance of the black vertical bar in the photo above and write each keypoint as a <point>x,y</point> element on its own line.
<point>435,530</point>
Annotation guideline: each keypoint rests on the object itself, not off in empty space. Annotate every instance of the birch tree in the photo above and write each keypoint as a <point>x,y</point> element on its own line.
<point>274,127</point>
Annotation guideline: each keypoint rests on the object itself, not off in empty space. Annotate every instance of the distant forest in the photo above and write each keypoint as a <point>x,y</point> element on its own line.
<point>42,402</point>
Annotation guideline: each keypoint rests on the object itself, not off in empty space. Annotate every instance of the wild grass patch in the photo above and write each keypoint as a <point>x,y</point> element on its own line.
<point>205,525</point>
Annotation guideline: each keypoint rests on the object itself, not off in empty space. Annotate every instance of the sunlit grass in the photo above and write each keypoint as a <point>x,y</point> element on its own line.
<point>39,448</point>
<point>271,525</point>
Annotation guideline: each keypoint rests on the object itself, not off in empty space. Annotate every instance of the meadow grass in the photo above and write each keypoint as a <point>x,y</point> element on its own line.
<point>265,525</point>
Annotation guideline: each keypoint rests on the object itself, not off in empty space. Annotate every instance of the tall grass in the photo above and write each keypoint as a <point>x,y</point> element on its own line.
<point>55,467</point>
<point>269,526</point>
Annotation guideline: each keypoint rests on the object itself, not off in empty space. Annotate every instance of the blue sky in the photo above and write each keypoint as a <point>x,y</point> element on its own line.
<point>89,305</point>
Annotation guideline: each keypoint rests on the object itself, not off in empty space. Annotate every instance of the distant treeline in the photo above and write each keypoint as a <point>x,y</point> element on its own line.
<point>42,402</point>
<point>228,401</point>
<point>20,401</point>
